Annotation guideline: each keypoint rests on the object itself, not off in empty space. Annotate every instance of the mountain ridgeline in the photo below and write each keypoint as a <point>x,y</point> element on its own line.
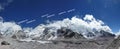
<point>62,33</point>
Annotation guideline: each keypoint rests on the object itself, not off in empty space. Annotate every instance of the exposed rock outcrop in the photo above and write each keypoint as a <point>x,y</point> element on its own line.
<point>5,43</point>
<point>19,35</point>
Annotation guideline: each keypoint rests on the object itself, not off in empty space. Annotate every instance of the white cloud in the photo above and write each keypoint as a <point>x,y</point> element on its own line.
<point>71,10</point>
<point>117,34</point>
<point>1,8</point>
<point>83,26</point>
<point>89,17</point>
<point>48,21</point>
<point>1,19</point>
<point>30,21</point>
<point>9,28</point>
<point>3,4</point>
<point>50,15</point>
<point>62,13</point>
<point>45,15</point>
<point>9,1</point>
<point>23,21</point>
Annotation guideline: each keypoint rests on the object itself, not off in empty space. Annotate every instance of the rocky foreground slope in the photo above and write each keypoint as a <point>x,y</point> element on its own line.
<point>103,43</point>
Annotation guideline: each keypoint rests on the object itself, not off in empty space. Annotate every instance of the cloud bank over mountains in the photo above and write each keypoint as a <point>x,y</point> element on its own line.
<point>81,26</point>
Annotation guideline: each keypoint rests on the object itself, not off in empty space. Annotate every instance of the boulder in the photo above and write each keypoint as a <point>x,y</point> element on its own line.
<point>5,43</point>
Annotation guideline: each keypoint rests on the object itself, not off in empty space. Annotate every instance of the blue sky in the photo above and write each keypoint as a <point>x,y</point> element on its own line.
<point>19,10</point>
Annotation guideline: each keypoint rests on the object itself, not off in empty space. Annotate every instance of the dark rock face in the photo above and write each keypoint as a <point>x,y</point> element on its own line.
<point>90,34</point>
<point>78,36</point>
<point>61,33</point>
<point>46,30</point>
<point>106,34</point>
<point>5,43</point>
<point>68,33</point>
<point>0,35</point>
<point>14,36</point>
<point>19,35</point>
